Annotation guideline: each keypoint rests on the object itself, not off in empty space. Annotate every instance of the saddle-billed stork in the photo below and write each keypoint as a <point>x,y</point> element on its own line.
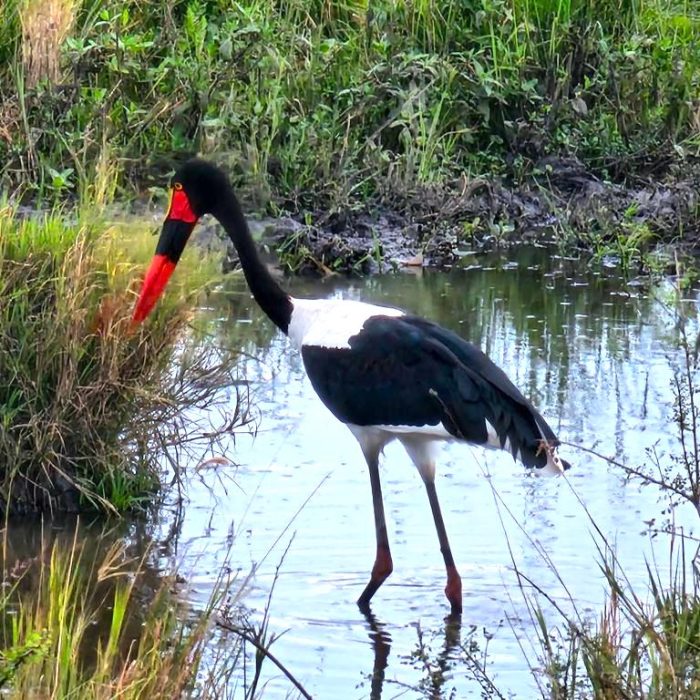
<point>386,374</point>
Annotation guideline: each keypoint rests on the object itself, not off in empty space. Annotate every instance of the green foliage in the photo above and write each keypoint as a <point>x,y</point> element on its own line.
<point>627,243</point>
<point>642,646</point>
<point>76,625</point>
<point>344,99</point>
<point>34,646</point>
<point>84,399</point>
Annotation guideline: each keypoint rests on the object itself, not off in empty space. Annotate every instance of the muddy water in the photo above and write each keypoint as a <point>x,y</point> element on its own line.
<point>595,354</point>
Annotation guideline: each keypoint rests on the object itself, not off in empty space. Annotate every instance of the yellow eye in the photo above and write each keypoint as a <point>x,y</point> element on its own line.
<point>177,186</point>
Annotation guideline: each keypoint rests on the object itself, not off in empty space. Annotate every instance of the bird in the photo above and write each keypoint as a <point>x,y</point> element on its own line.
<point>385,373</point>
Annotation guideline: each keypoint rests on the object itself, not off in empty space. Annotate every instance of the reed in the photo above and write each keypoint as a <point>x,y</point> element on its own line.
<point>99,628</point>
<point>645,642</point>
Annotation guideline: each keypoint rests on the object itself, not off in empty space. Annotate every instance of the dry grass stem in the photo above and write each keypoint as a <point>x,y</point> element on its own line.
<point>45,26</point>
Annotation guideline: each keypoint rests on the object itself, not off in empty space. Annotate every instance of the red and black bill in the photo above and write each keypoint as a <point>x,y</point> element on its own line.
<point>177,227</point>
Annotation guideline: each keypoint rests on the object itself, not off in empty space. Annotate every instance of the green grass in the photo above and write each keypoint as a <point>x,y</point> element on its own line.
<point>645,643</point>
<point>87,404</point>
<point>76,625</point>
<point>334,102</point>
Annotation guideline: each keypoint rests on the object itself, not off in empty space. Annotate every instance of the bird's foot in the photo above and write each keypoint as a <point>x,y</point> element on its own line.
<point>383,566</point>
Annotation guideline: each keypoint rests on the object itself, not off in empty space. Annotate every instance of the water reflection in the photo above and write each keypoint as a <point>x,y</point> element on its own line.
<point>380,640</point>
<point>590,350</point>
<point>434,667</point>
<point>99,555</point>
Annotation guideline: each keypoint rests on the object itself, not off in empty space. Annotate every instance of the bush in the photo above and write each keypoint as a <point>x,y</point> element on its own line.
<point>87,404</point>
<point>346,99</point>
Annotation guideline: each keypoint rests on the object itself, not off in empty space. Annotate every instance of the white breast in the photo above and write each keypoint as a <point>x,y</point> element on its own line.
<point>329,323</point>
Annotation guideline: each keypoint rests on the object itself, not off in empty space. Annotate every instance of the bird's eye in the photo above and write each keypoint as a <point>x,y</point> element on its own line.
<point>177,186</point>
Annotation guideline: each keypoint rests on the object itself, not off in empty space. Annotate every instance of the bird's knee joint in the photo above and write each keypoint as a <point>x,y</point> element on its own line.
<point>427,472</point>
<point>453,589</point>
<point>383,565</point>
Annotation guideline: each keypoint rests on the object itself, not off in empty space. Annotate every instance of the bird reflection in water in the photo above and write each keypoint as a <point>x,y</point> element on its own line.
<point>381,646</point>
<point>437,670</point>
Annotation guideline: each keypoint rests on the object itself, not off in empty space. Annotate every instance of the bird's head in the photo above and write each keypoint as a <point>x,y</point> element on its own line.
<point>197,188</point>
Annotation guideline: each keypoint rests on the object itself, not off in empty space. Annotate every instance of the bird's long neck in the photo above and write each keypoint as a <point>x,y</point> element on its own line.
<point>273,300</point>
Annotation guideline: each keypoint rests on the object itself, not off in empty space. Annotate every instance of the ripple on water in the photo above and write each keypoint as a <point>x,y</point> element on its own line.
<point>595,360</point>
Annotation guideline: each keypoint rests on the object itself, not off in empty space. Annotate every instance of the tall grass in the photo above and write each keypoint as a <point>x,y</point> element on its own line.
<point>645,643</point>
<point>87,406</point>
<point>348,99</point>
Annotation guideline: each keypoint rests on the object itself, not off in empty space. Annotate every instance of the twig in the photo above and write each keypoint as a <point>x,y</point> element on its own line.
<point>264,650</point>
<point>664,485</point>
<point>294,517</point>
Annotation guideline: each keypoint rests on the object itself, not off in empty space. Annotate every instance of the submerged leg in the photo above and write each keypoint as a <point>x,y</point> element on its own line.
<point>453,589</point>
<point>383,566</point>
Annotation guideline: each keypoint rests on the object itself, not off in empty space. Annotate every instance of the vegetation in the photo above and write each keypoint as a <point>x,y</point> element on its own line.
<point>645,644</point>
<point>86,619</point>
<point>343,100</point>
<point>314,105</point>
<point>87,405</point>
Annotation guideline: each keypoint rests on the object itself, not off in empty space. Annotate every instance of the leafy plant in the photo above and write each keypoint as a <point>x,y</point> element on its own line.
<point>322,103</point>
<point>85,619</point>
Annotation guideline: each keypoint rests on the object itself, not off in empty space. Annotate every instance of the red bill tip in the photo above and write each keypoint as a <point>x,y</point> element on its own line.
<point>154,283</point>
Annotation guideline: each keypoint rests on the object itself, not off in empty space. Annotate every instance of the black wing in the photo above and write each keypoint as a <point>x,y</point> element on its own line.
<point>408,371</point>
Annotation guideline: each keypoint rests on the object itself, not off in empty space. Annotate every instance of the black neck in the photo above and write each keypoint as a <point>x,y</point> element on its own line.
<point>273,300</point>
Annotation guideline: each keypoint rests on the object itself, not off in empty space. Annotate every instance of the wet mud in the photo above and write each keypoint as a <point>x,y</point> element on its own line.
<point>435,227</point>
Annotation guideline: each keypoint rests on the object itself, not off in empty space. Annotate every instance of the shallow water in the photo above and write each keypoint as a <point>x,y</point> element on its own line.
<point>594,353</point>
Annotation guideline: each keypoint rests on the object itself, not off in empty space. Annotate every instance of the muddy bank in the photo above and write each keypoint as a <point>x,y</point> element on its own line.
<point>562,202</point>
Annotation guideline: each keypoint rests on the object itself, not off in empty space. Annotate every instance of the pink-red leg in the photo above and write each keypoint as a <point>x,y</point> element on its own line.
<point>383,566</point>
<point>453,589</point>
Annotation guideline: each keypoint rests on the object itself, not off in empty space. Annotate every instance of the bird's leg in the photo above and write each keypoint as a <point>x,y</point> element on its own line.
<point>383,566</point>
<point>453,589</point>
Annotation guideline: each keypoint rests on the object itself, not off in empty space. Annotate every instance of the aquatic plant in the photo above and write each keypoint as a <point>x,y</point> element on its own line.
<point>85,618</point>
<point>645,643</point>
<point>87,405</point>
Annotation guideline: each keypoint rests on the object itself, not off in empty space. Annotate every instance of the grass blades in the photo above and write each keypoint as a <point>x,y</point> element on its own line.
<point>85,619</point>
<point>644,644</point>
<point>87,404</point>
<point>332,102</point>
